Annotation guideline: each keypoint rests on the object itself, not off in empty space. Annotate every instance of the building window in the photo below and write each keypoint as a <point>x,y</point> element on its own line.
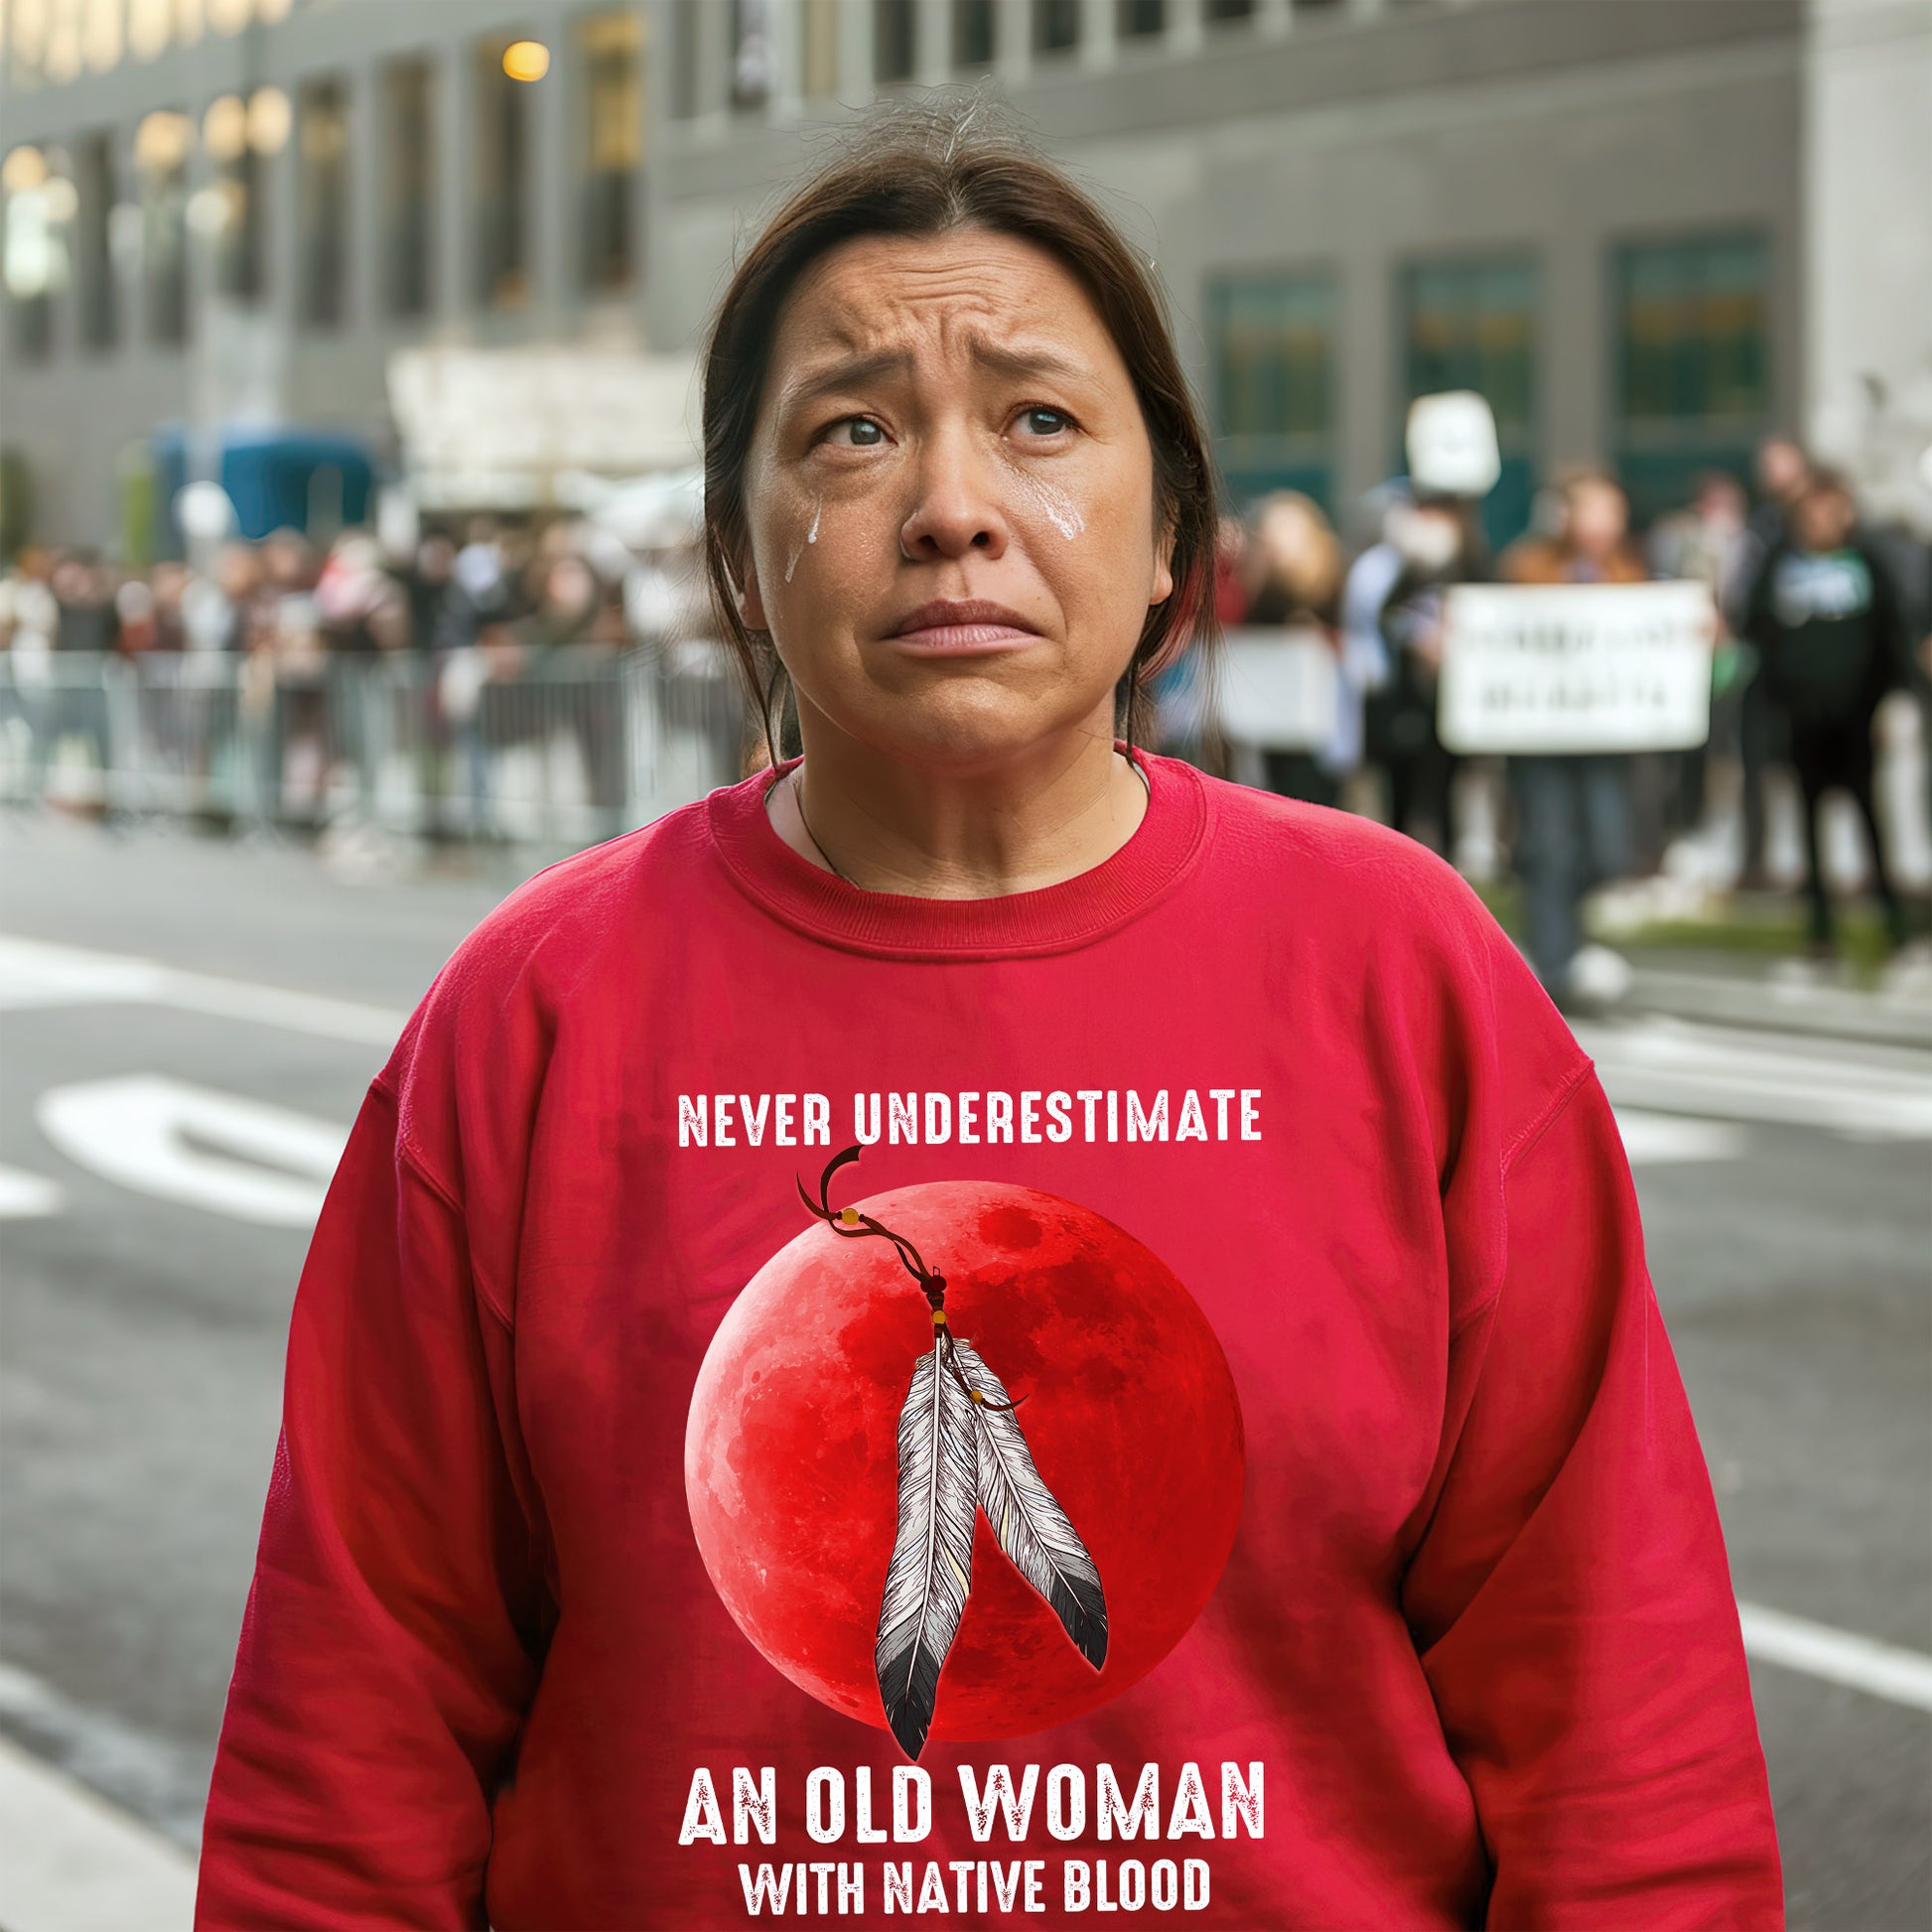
<point>35,204</point>
<point>500,154</point>
<point>1056,26</point>
<point>972,33</point>
<point>1141,19</point>
<point>613,143</point>
<point>148,27</point>
<point>161,168</point>
<point>25,43</point>
<point>892,40</point>
<point>1471,324</point>
<point>687,30</point>
<point>322,203</point>
<point>820,26</point>
<point>408,187</point>
<point>751,53</point>
<point>1218,11</point>
<point>61,60</point>
<point>1692,377</point>
<point>1272,342</point>
<point>94,185</point>
<point>239,269</point>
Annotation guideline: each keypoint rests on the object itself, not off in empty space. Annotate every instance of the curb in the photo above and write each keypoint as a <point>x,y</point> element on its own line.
<point>1774,1006</point>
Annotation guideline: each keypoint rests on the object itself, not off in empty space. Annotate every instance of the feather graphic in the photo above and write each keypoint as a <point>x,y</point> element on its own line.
<point>933,1558</point>
<point>1027,1519</point>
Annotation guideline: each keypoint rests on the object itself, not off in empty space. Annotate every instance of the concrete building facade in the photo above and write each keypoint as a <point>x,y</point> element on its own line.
<point>1650,232</point>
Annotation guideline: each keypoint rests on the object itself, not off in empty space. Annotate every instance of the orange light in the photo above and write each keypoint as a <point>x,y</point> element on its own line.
<point>526,59</point>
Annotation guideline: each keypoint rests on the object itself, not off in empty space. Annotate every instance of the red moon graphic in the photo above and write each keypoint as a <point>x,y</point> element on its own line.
<point>792,1449</point>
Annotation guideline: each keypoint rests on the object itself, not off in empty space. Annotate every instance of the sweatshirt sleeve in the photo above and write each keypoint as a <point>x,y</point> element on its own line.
<point>1570,1595</point>
<point>389,1645</point>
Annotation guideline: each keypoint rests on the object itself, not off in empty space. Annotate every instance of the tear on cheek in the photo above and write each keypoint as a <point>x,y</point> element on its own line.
<point>811,536</point>
<point>1052,503</point>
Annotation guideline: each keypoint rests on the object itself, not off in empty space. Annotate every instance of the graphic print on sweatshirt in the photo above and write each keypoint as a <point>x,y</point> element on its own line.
<point>964,1459</point>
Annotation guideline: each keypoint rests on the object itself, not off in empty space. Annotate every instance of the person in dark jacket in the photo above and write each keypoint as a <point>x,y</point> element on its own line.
<point>1827,620</point>
<point>1440,543</point>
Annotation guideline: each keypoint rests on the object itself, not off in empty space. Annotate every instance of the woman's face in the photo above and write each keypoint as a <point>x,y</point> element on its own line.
<point>947,421</point>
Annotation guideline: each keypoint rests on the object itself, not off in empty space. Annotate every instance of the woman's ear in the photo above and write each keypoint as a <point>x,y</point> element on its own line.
<point>1163,587</point>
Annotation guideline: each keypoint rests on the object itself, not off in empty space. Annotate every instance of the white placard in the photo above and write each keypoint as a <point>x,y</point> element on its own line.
<point>1576,667</point>
<point>1451,439</point>
<point>1276,689</point>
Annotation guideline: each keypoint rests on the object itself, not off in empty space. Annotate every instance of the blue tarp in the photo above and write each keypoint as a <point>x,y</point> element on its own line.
<point>277,478</point>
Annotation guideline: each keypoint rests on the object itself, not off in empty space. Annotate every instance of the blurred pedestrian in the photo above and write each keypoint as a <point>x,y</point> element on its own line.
<point>568,647</point>
<point>1294,574</point>
<point>425,583</point>
<point>1782,471</point>
<point>1438,544</point>
<point>1573,810</point>
<point>1703,544</point>
<point>359,606</point>
<point>86,632</point>
<point>1828,623</point>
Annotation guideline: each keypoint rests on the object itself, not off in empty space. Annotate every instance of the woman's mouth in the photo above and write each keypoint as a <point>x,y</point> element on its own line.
<point>961,627</point>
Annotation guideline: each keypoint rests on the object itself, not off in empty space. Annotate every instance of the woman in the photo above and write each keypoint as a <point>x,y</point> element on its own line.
<point>978,1294</point>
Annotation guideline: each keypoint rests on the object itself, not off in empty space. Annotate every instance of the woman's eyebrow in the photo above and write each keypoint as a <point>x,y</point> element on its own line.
<point>854,371</point>
<point>851,374</point>
<point>1030,360</point>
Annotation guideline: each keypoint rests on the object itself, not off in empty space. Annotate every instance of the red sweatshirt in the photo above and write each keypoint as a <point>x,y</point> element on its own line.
<point>650,1541</point>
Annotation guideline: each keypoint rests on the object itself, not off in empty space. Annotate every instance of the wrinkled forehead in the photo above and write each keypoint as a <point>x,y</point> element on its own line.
<point>953,306</point>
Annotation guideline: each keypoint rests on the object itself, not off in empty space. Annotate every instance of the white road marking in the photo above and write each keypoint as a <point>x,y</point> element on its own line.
<point>1661,1140</point>
<point>1882,1670</point>
<point>34,973</point>
<point>1848,1087</point>
<point>1655,1065</point>
<point>27,1196</point>
<point>141,1130</point>
<point>70,1862</point>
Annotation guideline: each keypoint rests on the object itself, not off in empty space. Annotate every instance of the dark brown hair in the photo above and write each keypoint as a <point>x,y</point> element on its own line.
<point>922,171</point>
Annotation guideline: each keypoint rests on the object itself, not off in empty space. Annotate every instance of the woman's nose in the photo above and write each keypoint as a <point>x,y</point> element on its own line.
<point>956,507</point>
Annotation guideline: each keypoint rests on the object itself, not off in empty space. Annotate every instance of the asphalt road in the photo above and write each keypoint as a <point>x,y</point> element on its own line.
<point>1784,1184</point>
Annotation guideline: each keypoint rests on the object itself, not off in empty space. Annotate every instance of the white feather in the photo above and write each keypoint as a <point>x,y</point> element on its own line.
<point>1026,1518</point>
<point>931,1568</point>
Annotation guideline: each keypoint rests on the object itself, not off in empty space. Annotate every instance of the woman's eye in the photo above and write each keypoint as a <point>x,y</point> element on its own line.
<point>1055,419</point>
<point>866,434</point>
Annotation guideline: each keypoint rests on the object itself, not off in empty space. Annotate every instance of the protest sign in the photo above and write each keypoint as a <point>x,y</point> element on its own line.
<point>1276,689</point>
<point>1576,667</point>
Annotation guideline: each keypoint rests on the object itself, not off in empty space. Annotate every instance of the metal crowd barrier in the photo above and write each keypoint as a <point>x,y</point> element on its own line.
<point>558,750</point>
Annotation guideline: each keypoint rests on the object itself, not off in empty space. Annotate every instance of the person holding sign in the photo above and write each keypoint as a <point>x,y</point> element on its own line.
<point>1572,811</point>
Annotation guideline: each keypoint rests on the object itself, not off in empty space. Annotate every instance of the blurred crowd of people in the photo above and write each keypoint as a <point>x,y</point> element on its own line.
<point>1820,618</point>
<point>469,616</point>
<point>515,587</point>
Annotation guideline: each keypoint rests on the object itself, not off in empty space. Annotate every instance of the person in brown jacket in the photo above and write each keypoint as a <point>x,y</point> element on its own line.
<point>1572,811</point>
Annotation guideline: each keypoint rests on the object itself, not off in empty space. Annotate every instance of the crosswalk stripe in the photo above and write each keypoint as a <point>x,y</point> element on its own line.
<point>34,973</point>
<point>1681,1067</point>
<point>70,1862</point>
<point>1882,1670</point>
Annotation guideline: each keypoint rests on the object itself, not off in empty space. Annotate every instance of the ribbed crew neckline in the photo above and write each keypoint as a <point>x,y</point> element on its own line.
<point>1053,918</point>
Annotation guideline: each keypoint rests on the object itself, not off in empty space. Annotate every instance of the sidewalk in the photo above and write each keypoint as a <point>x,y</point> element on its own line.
<point>1739,959</point>
<point>1781,995</point>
